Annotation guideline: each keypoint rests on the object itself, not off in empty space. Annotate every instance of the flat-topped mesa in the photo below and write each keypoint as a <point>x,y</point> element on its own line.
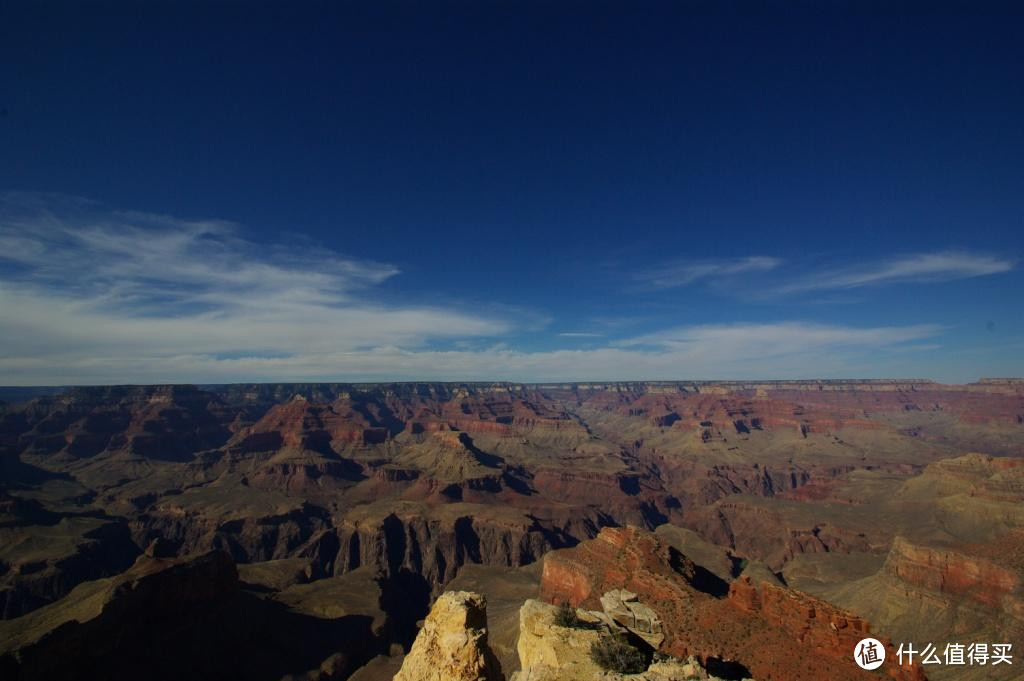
<point>771,631</point>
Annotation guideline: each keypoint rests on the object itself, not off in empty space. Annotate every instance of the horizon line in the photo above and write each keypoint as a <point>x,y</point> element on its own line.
<point>981,380</point>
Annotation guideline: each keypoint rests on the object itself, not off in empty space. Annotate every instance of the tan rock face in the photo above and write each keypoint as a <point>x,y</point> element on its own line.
<point>548,651</point>
<point>452,646</point>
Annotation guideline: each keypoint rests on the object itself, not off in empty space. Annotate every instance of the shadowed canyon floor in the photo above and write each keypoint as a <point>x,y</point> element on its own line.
<point>265,531</point>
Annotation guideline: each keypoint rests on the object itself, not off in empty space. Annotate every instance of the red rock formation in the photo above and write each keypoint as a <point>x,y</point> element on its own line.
<point>775,632</point>
<point>301,424</point>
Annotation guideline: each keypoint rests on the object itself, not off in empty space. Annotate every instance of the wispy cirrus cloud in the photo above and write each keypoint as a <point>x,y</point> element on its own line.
<point>720,341</point>
<point>140,259</point>
<point>90,295</point>
<point>81,282</point>
<point>915,268</point>
<point>679,273</point>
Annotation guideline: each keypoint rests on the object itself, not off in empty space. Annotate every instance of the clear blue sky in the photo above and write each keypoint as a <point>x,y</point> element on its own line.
<point>518,191</point>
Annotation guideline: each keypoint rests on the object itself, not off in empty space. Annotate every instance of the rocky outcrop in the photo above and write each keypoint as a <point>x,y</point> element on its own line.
<point>625,609</point>
<point>550,652</point>
<point>546,648</point>
<point>408,538</point>
<point>452,645</point>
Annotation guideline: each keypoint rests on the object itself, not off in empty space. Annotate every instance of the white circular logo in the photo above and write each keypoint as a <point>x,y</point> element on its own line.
<point>869,653</point>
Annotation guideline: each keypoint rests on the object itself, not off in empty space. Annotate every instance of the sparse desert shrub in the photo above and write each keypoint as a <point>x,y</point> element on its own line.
<point>615,654</point>
<point>566,616</point>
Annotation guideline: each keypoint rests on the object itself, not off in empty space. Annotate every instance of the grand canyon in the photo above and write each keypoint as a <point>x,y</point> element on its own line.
<point>675,340</point>
<point>305,531</point>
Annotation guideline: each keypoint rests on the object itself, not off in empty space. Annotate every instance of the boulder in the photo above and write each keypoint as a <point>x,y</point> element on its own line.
<point>624,608</point>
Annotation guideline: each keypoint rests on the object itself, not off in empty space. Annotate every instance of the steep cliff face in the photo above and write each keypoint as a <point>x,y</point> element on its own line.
<point>452,645</point>
<point>771,631</point>
<point>404,537</point>
<point>251,537</point>
<point>433,545</point>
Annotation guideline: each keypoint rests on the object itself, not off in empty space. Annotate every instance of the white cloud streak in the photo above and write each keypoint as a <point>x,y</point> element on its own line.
<point>918,268</point>
<point>80,282</point>
<point>93,296</point>
<point>778,338</point>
